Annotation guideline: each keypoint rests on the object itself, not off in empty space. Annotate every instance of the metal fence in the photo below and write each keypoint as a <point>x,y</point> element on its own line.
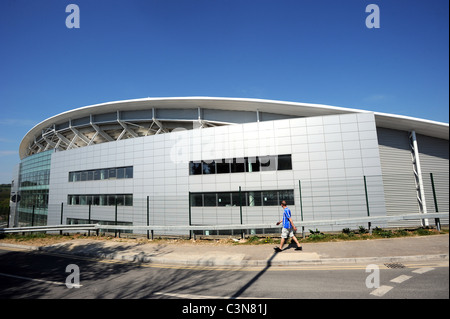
<point>349,200</point>
<point>192,229</point>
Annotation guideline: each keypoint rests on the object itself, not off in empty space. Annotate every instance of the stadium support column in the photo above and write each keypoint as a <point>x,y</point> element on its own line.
<point>418,176</point>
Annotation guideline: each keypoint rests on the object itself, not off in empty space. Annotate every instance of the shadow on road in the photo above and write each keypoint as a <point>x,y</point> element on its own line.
<point>238,293</point>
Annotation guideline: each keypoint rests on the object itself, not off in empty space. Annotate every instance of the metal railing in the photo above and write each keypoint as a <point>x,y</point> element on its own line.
<point>190,228</point>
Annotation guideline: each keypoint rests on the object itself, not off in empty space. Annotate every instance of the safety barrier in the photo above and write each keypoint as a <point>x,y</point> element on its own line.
<point>339,222</point>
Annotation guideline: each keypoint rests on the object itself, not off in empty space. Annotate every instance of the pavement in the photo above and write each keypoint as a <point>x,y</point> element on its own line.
<point>395,250</point>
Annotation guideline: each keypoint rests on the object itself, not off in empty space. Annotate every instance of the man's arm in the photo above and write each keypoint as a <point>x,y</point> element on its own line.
<point>292,224</point>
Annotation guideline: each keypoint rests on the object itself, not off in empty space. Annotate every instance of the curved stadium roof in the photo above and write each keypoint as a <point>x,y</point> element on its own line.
<point>118,120</point>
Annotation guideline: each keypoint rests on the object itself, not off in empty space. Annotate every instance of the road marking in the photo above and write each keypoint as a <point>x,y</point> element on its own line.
<point>422,270</point>
<point>246,268</point>
<point>401,279</point>
<point>190,296</point>
<point>39,280</point>
<point>381,291</point>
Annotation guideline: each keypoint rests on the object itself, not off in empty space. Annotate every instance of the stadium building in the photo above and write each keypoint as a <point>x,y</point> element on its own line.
<point>222,161</point>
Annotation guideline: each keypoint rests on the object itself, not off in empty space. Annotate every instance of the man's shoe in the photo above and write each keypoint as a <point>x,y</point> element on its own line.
<point>299,248</point>
<point>277,249</point>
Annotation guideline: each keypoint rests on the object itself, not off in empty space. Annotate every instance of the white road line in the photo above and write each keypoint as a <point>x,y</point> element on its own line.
<point>422,270</point>
<point>381,291</point>
<point>401,279</point>
<point>39,280</point>
<point>189,296</point>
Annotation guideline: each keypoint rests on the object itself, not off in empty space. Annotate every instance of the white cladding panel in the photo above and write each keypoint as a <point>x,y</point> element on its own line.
<point>330,156</point>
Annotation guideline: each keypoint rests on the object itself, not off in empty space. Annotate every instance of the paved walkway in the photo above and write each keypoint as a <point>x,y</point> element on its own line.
<point>408,249</point>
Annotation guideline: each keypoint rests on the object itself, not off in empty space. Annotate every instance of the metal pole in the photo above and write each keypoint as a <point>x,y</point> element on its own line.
<point>89,219</point>
<point>190,216</point>
<point>62,210</point>
<point>115,218</point>
<point>32,217</point>
<point>367,199</point>
<point>301,206</point>
<point>436,208</point>
<point>148,216</point>
<point>240,209</point>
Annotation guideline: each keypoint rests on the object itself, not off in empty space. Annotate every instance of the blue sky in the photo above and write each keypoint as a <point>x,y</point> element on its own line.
<point>314,51</point>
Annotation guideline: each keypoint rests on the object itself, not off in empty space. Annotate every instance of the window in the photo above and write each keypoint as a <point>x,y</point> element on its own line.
<point>112,173</point>
<point>241,165</point>
<point>253,198</point>
<point>197,200</point>
<point>195,168</point>
<point>238,165</point>
<point>270,198</point>
<point>235,201</point>
<point>129,172</point>
<point>111,200</point>
<point>209,167</point>
<point>210,199</point>
<point>101,174</point>
<point>253,164</point>
<point>284,162</point>
<point>223,166</point>
<point>104,174</point>
<point>288,196</point>
<point>101,200</point>
<point>128,200</point>
<point>120,172</point>
<point>248,198</point>
<point>120,199</point>
<point>223,199</point>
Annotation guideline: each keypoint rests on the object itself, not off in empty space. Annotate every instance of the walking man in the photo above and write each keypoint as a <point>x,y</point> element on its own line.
<point>288,228</point>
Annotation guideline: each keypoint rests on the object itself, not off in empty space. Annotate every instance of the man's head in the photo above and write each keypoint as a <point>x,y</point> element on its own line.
<point>283,203</point>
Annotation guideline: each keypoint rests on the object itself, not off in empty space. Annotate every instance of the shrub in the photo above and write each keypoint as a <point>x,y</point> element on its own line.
<point>382,233</point>
<point>423,231</point>
<point>402,233</point>
<point>253,239</point>
<point>362,230</point>
<point>346,231</point>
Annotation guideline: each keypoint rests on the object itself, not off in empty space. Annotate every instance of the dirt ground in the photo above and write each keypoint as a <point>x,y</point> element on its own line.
<point>56,239</point>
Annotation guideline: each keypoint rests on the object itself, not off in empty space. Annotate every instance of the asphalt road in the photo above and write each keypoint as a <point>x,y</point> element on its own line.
<point>35,275</point>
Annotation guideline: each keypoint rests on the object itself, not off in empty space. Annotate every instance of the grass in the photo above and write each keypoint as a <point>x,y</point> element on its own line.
<point>349,234</point>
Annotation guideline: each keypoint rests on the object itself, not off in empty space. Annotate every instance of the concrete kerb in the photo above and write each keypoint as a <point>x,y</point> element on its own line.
<point>141,257</point>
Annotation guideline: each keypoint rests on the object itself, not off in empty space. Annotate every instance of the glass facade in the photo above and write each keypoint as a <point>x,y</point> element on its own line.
<point>34,183</point>
<point>241,165</point>
<point>248,198</point>
<point>101,200</point>
<point>101,174</point>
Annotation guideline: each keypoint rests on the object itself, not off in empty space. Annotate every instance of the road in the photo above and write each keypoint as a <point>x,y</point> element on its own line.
<point>36,275</point>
